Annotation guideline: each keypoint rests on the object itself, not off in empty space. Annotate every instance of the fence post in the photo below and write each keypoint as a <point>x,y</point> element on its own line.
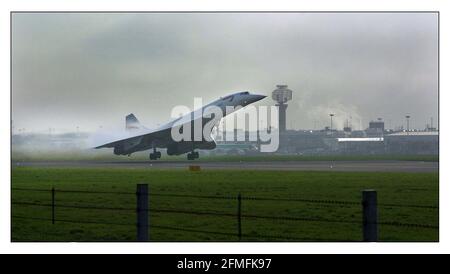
<point>53,205</point>
<point>142,212</point>
<point>239,216</point>
<point>370,215</point>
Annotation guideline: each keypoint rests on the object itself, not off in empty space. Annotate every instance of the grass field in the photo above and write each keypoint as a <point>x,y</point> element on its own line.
<point>393,188</point>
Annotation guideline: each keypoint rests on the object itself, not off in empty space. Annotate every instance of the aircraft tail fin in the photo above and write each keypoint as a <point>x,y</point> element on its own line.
<point>132,123</point>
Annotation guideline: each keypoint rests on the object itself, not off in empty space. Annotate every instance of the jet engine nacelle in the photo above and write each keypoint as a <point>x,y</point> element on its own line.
<point>179,148</point>
<point>118,150</point>
<point>128,147</point>
<point>184,147</point>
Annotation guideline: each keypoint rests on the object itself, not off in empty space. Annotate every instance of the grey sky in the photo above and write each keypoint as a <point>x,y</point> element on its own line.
<point>89,70</point>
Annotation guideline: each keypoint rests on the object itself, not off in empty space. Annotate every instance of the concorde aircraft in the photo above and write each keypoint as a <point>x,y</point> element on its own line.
<point>161,137</point>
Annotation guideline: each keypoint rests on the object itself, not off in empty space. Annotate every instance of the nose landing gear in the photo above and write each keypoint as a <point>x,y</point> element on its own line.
<point>193,155</point>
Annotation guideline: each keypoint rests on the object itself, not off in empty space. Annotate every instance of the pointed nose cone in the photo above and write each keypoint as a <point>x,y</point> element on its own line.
<point>256,97</point>
<point>251,98</point>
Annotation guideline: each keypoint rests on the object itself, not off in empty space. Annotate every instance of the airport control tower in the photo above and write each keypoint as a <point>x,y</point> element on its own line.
<point>281,95</point>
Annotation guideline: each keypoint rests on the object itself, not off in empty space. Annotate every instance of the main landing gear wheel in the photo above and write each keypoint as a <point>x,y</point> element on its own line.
<point>155,155</point>
<point>193,155</point>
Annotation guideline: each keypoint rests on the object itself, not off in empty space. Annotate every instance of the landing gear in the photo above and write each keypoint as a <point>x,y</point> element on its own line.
<point>193,155</point>
<point>155,155</point>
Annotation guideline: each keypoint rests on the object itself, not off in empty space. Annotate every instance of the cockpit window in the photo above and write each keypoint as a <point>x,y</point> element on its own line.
<point>244,93</point>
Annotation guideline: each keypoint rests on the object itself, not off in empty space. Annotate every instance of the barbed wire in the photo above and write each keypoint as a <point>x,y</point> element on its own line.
<point>409,225</point>
<point>72,221</point>
<point>300,200</point>
<point>258,236</point>
<point>283,218</point>
<point>223,197</point>
<point>211,213</point>
<point>74,206</point>
<point>224,214</point>
<point>31,189</point>
<point>250,198</point>
<point>407,205</point>
<point>74,191</point>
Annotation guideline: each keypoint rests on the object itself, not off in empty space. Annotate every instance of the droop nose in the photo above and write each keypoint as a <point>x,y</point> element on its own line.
<point>249,99</point>
<point>257,97</point>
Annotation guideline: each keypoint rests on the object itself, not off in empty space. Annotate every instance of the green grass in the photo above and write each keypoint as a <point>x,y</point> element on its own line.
<point>393,188</point>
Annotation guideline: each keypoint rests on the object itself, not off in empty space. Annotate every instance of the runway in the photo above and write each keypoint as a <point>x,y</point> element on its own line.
<point>368,166</point>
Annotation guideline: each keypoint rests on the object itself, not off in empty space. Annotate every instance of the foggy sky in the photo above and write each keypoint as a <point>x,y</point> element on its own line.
<point>90,70</point>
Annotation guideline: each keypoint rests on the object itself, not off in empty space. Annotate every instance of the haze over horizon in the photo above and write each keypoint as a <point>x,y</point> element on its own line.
<point>90,70</point>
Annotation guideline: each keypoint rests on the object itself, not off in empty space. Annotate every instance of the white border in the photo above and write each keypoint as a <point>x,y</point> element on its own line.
<point>231,5</point>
